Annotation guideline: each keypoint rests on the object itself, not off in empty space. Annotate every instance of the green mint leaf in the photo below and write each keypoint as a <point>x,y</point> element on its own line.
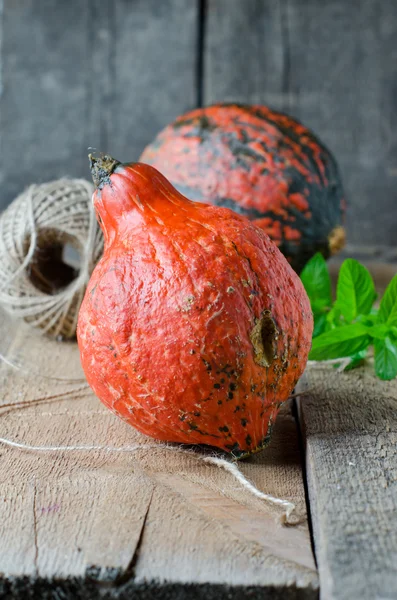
<point>320,322</point>
<point>379,332</point>
<point>333,318</point>
<point>369,320</point>
<point>356,359</point>
<point>385,359</point>
<point>317,283</point>
<point>340,342</point>
<point>388,306</point>
<point>355,292</point>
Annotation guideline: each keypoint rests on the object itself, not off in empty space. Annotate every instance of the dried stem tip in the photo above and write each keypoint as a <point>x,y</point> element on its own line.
<point>101,169</point>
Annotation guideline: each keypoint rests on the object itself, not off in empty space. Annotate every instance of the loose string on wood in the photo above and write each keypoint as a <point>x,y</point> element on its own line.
<point>229,465</point>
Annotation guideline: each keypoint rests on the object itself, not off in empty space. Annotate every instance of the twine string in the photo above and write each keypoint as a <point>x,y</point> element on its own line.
<point>59,212</point>
<point>342,362</point>
<point>227,465</point>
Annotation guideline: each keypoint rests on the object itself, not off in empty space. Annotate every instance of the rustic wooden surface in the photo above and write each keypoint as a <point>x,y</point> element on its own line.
<point>349,426</point>
<point>331,64</point>
<point>156,522</point>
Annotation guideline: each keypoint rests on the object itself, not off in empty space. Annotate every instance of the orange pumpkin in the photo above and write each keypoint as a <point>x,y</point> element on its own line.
<point>194,328</point>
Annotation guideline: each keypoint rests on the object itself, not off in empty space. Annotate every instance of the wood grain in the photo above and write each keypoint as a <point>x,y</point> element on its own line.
<point>330,64</point>
<point>129,523</point>
<point>349,422</point>
<point>102,73</point>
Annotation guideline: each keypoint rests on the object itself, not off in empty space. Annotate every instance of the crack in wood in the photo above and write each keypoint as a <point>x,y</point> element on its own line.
<point>129,572</point>
<point>201,22</point>
<point>302,446</point>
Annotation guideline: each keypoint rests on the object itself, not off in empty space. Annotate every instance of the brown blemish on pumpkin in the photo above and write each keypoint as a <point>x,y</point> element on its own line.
<point>263,337</point>
<point>207,365</point>
<point>187,303</point>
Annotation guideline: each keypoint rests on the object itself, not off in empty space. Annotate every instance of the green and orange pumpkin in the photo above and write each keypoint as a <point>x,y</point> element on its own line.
<point>263,164</point>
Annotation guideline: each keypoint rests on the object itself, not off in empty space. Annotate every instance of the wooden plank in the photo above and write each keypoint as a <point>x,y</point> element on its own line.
<point>151,520</point>
<point>154,65</point>
<point>349,425</point>
<point>244,52</point>
<point>43,105</point>
<point>107,74</point>
<point>330,64</point>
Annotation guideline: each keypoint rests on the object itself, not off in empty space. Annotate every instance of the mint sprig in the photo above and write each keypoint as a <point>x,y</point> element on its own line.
<point>388,306</point>
<point>355,291</point>
<point>317,282</point>
<point>346,327</point>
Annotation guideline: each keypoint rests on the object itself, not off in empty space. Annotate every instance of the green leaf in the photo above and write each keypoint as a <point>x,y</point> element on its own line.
<point>340,342</point>
<point>368,320</point>
<point>356,359</point>
<point>385,359</point>
<point>317,283</point>
<point>333,318</point>
<point>379,332</point>
<point>388,306</point>
<point>320,321</point>
<point>355,292</point>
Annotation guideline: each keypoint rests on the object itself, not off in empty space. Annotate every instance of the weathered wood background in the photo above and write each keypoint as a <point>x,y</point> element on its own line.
<point>111,73</point>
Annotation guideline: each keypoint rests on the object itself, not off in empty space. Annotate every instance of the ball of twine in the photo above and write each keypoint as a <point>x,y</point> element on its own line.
<point>37,282</point>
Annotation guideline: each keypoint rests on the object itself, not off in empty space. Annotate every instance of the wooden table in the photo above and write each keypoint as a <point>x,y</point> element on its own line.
<point>157,523</point>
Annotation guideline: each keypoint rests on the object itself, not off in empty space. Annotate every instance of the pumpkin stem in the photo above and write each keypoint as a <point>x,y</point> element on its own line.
<point>101,169</point>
